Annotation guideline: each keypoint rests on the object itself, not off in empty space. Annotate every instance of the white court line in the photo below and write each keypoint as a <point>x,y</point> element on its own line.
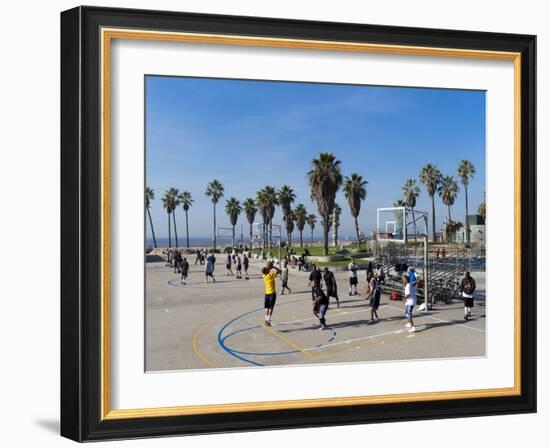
<point>349,341</point>
<point>314,318</point>
<point>443,320</point>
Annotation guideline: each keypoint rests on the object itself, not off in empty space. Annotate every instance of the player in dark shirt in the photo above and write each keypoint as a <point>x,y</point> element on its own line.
<point>315,279</point>
<point>320,306</point>
<point>332,287</point>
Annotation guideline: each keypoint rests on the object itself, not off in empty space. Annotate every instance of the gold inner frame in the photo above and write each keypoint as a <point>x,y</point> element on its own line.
<point>107,35</point>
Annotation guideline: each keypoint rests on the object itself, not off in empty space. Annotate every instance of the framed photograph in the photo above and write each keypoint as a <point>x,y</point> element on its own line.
<point>273,223</point>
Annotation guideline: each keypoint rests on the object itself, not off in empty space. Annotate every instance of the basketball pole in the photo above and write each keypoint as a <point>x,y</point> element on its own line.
<point>425,270</point>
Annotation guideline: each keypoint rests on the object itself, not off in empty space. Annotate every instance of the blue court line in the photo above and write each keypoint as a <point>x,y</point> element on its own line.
<point>227,349</point>
<point>236,353</point>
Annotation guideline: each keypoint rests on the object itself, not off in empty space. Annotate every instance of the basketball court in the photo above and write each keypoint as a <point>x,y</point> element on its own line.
<point>220,325</point>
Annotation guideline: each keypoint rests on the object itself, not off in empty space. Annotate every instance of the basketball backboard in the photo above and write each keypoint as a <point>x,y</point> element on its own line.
<point>390,224</point>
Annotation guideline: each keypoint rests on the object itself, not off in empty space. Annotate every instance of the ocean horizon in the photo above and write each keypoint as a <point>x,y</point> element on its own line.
<point>207,241</point>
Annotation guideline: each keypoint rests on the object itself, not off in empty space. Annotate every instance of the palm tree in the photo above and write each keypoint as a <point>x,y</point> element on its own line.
<point>325,178</point>
<point>268,198</point>
<point>285,198</point>
<point>289,226</point>
<point>215,192</point>
<point>174,198</point>
<point>250,211</point>
<point>465,171</point>
<point>311,221</point>
<point>186,201</point>
<point>262,202</point>
<point>411,191</point>
<point>149,196</point>
<point>430,176</point>
<point>448,190</point>
<point>174,194</point>
<point>168,204</point>
<point>482,209</point>
<point>300,216</point>
<point>233,209</point>
<point>355,191</point>
<point>335,223</point>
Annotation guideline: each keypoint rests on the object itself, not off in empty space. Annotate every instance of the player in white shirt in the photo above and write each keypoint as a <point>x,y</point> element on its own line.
<point>410,302</point>
<point>352,268</point>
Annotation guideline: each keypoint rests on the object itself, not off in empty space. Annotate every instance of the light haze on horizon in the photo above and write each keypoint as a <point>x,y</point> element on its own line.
<point>249,134</point>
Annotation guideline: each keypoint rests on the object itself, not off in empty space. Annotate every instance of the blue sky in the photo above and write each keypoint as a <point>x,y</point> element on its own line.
<point>249,134</point>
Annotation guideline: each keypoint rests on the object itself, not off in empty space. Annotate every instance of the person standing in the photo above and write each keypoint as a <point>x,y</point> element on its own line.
<point>284,279</point>
<point>410,302</point>
<point>374,295</point>
<point>228,265</point>
<point>352,270</point>
<point>245,265</point>
<point>331,285</point>
<point>209,268</point>
<point>269,272</point>
<point>468,287</point>
<point>198,256</point>
<point>239,267</point>
<point>184,271</point>
<point>314,280</point>
<point>320,306</point>
<point>177,262</point>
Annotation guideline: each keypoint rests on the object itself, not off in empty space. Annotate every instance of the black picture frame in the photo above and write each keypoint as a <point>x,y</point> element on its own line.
<point>81,224</point>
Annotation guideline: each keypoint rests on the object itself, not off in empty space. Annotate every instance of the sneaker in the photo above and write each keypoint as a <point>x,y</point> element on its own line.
<point>412,329</point>
<point>267,323</point>
<point>376,319</point>
<point>466,317</point>
<point>349,294</point>
<point>408,325</point>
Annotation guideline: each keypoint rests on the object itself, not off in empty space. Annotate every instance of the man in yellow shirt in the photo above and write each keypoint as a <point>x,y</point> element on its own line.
<point>269,272</point>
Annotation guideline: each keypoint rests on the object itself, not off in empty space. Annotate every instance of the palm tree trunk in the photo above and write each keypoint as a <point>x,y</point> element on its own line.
<point>175,229</point>
<point>250,235</point>
<point>449,209</point>
<point>433,218</point>
<point>414,224</point>
<point>467,222</point>
<point>187,227</point>
<point>169,232</point>
<point>312,236</point>
<point>214,225</point>
<point>152,229</point>
<point>326,230</point>
<point>271,232</point>
<point>233,238</point>
<point>301,242</point>
<point>357,230</point>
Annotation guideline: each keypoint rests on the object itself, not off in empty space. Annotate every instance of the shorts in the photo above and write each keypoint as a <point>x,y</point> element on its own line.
<point>409,311</point>
<point>228,265</point>
<point>331,292</point>
<point>269,301</point>
<point>469,302</point>
<point>353,281</point>
<point>375,301</point>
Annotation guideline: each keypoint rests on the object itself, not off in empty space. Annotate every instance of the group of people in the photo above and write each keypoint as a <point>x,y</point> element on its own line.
<point>234,259</point>
<point>375,280</point>
<point>180,264</point>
